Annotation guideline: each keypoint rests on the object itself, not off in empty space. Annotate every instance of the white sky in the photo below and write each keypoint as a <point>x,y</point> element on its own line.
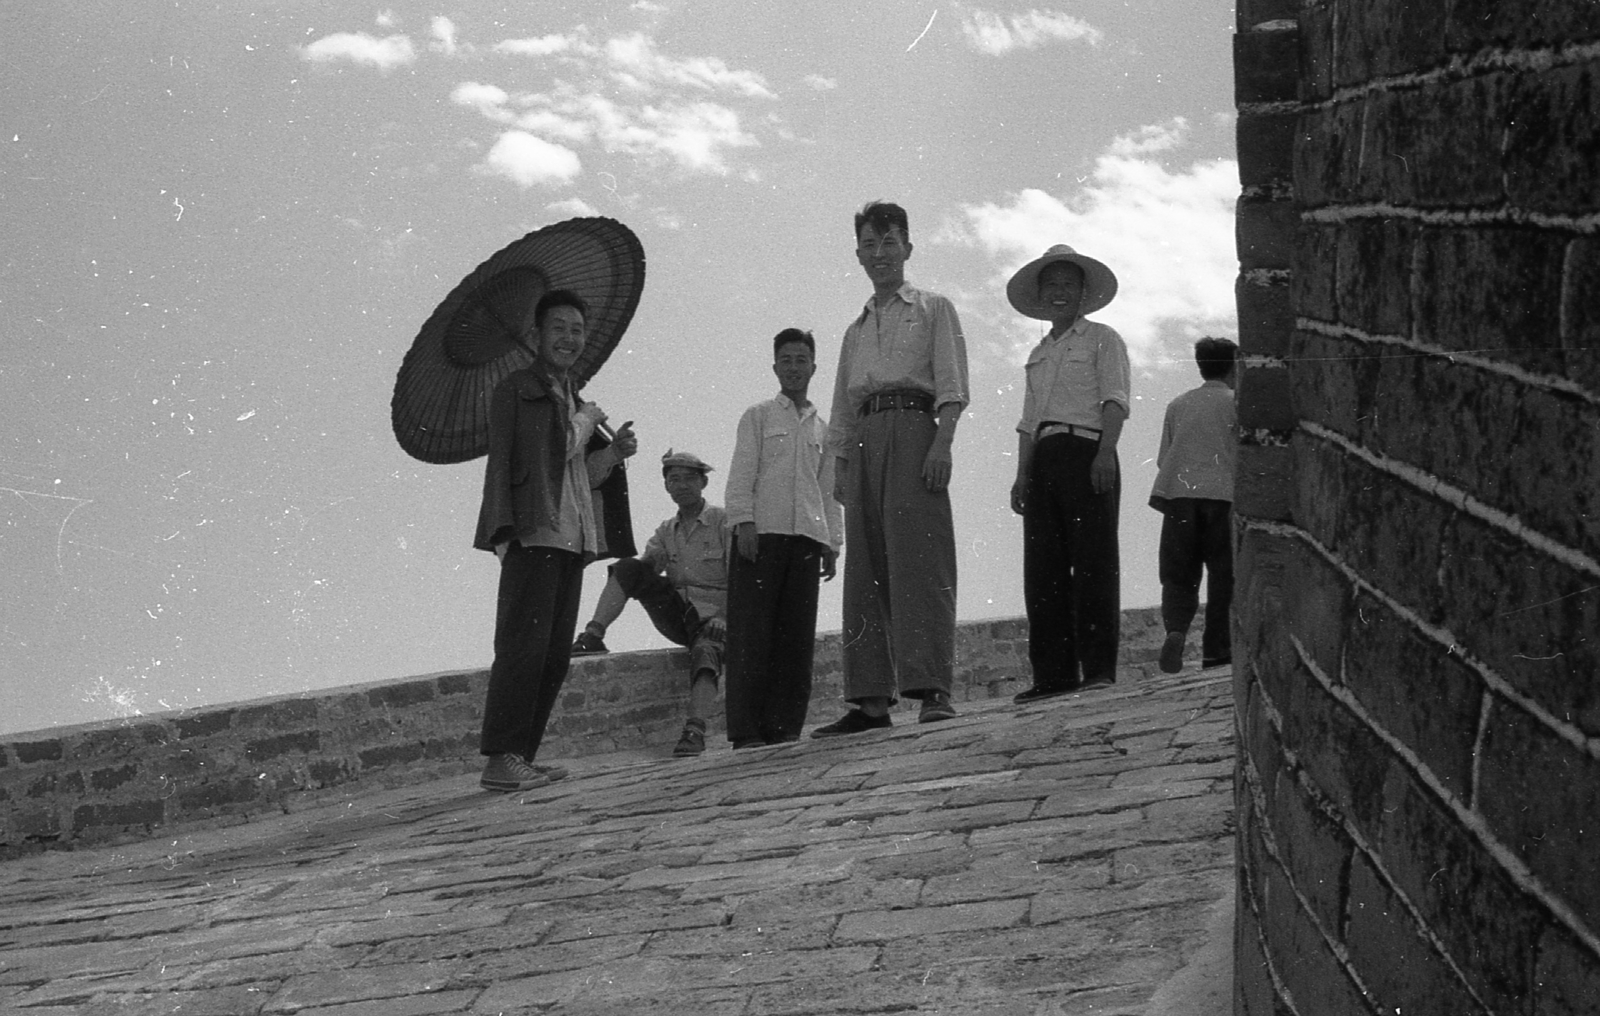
<point>225,228</point>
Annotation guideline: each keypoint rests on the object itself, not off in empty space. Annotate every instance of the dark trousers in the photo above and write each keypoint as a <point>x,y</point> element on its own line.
<point>1196,533</point>
<point>772,632</point>
<point>671,612</point>
<point>1071,570</point>
<point>535,618</point>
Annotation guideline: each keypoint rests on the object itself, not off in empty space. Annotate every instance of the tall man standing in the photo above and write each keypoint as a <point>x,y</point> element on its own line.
<point>1068,486</point>
<point>538,517</point>
<point>899,391</point>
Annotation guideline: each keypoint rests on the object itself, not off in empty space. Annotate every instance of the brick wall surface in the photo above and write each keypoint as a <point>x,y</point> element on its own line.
<point>130,779</point>
<point>1418,508</point>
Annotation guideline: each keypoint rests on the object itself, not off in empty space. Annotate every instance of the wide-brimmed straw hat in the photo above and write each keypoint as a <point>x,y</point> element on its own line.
<point>1099,283</point>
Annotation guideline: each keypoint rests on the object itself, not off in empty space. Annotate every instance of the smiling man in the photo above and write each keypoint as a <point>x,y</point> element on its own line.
<point>538,517</point>
<point>900,389</point>
<point>682,581</point>
<point>1068,485</point>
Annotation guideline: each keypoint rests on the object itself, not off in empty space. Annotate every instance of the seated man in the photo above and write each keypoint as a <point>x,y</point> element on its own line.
<point>682,580</point>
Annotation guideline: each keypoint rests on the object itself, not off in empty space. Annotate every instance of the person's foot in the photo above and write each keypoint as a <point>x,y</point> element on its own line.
<point>1038,694</point>
<point>691,742</point>
<point>854,722</point>
<point>1100,681</point>
<point>749,742</point>
<point>1172,653</point>
<point>935,707</point>
<point>507,773</point>
<point>552,773</point>
<point>589,644</point>
<point>1216,661</point>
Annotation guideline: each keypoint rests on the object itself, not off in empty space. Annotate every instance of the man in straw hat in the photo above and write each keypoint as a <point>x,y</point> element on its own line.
<point>682,581</point>
<point>538,516</point>
<point>899,391</point>
<point>1068,485</point>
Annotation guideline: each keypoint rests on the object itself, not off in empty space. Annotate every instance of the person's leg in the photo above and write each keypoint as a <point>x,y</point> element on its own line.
<point>920,543</point>
<point>536,613</point>
<point>747,652</point>
<point>1047,579</point>
<point>1097,572</point>
<point>1216,542</point>
<point>793,628</point>
<point>868,661</point>
<point>1179,564</point>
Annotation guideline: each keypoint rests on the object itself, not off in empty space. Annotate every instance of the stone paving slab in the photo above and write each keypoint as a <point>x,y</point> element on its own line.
<point>1071,856</point>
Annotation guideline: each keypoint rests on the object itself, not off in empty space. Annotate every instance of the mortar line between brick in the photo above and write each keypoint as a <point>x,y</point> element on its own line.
<point>1337,214</point>
<point>1269,843</point>
<point>1484,705</point>
<point>1355,835</point>
<point>1474,823</point>
<point>1566,731</point>
<point>1458,499</point>
<point>1462,68</point>
<point>1545,382</point>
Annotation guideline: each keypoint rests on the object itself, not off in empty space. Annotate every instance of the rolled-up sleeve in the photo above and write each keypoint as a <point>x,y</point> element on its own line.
<point>1114,370</point>
<point>949,354</point>
<point>841,438</point>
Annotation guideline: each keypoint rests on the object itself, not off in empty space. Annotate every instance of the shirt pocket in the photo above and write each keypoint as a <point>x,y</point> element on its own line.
<point>777,442</point>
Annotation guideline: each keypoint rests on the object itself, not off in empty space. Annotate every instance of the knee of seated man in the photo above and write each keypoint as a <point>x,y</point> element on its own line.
<point>629,572</point>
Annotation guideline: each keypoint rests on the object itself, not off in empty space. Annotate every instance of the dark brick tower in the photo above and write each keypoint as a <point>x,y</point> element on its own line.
<point>1418,663</point>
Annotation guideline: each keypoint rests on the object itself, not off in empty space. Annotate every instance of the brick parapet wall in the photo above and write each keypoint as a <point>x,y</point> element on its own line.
<point>134,778</point>
<point>1418,536</point>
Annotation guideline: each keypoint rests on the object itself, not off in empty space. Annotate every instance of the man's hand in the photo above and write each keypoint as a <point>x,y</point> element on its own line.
<point>936,468</point>
<point>624,442</point>
<point>592,412</point>
<point>716,629</point>
<point>1019,497</point>
<point>830,559</point>
<point>744,535</point>
<point>500,551</point>
<point>1103,471</point>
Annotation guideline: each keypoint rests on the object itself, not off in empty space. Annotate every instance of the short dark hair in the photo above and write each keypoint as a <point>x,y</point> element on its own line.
<point>882,216</point>
<point>558,298</point>
<point>789,335</point>
<point>1215,356</point>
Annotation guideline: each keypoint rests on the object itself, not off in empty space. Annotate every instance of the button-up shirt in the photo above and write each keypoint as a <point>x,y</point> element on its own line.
<point>575,529</point>
<point>914,343</point>
<point>1199,442</point>
<point>780,479</point>
<point>1071,375</point>
<point>694,555</point>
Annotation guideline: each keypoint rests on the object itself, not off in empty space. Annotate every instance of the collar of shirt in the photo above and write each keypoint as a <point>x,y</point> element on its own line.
<point>788,403</point>
<point>905,293</point>
<point>1078,327</point>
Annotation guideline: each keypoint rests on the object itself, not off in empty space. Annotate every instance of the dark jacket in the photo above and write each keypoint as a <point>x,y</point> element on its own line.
<point>528,426</point>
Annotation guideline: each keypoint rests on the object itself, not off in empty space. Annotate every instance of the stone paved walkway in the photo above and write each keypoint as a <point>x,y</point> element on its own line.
<point>1075,856</point>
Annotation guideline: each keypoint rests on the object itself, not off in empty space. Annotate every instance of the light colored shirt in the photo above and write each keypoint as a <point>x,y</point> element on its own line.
<point>1071,375</point>
<point>914,343</point>
<point>576,530</point>
<point>780,479</point>
<point>693,553</point>
<point>1199,442</point>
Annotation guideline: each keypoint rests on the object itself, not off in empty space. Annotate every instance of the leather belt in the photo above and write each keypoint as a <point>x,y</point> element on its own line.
<point>1052,429</point>
<point>921,402</point>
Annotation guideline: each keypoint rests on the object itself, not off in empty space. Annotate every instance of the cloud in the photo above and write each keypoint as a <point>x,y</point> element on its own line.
<point>571,207</point>
<point>1168,234</point>
<point>527,161</point>
<point>490,100</point>
<point>544,45</point>
<point>821,84</point>
<point>998,35</point>
<point>361,48</point>
<point>444,36</point>
<point>636,63</point>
